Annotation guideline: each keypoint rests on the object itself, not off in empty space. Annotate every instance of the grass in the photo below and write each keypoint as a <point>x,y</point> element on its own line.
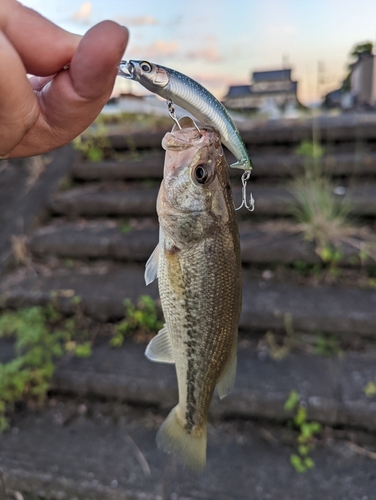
<point>322,217</point>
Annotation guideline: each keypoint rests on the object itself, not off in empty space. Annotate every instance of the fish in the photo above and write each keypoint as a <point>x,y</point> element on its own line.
<point>194,98</point>
<point>198,265</point>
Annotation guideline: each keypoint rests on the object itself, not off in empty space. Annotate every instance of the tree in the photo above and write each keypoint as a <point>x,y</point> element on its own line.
<point>361,48</point>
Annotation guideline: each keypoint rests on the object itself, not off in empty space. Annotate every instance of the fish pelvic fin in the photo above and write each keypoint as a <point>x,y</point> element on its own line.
<point>189,446</point>
<point>160,349</point>
<point>227,378</point>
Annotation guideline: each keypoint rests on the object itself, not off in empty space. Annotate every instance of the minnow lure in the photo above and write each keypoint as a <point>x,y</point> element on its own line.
<point>194,98</point>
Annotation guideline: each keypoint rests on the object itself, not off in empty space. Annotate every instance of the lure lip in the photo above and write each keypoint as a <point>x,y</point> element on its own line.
<point>126,69</point>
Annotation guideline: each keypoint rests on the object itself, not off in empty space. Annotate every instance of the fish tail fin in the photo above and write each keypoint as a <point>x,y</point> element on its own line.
<point>173,438</point>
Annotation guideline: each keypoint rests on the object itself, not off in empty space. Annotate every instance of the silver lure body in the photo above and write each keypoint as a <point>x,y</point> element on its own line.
<point>194,98</point>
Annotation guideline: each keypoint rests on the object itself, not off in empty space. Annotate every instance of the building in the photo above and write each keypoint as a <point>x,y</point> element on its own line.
<point>267,87</point>
<point>363,80</point>
<point>358,90</point>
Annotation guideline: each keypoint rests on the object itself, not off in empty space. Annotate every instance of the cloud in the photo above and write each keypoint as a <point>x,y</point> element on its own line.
<point>158,49</point>
<point>208,54</point>
<point>83,14</point>
<point>217,80</point>
<point>136,21</point>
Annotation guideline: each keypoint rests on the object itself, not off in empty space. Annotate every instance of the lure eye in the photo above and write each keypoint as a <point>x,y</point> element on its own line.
<point>145,66</point>
<point>201,174</point>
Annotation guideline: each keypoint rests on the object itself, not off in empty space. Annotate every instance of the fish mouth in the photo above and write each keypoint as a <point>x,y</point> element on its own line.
<point>126,69</point>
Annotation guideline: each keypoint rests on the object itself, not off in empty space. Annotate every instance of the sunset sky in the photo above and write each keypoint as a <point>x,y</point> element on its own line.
<point>221,43</point>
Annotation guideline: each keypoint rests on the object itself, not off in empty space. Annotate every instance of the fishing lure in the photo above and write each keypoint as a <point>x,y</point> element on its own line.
<point>194,98</point>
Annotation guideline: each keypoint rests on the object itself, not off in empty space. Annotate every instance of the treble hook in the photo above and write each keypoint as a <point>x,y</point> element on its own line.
<point>171,112</point>
<point>251,205</point>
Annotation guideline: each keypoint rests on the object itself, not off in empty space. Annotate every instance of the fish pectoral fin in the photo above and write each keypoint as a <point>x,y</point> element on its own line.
<point>227,378</point>
<point>151,268</point>
<point>159,348</point>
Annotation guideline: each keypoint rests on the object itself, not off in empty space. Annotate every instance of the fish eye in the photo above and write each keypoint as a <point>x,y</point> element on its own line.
<point>145,66</point>
<point>201,174</point>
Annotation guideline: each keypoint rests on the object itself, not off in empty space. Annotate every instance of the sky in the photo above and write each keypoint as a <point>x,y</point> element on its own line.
<point>220,43</point>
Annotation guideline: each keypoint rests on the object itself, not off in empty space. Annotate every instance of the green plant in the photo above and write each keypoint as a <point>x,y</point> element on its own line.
<point>125,226</point>
<point>370,389</point>
<point>323,218</point>
<point>327,346</point>
<point>94,143</point>
<point>140,320</point>
<point>289,341</point>
<point>301,461</point>
<point>305,269</point>
<point>41,334</point>
<point>310,150</point>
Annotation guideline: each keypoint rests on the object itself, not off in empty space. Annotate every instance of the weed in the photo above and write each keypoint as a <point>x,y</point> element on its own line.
<point>305,269</point>
<point>327,346</point>
<point>141,320</point>
<point>65,184</point>
<point>125,227</point>
<point>41,335</point>
<point>291,340</point>
<point>322,217</point>
<point>93,144</point>
<point>136,121</point>
<point>68,263</point>
<point>301,461</point>
<point>370,389</point>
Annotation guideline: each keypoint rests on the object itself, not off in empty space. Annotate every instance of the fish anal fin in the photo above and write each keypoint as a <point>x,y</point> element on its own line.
<point>189,446</point>
<point>159,348</point>
<point>151,268</point>
<point>227,378</point>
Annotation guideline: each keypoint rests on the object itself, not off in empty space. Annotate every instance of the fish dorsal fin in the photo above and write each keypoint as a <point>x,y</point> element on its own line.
<point>151,268</point>
<point>227,379</point>
<point>159,348</point>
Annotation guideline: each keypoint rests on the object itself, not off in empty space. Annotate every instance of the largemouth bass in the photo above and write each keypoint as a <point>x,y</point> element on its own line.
<point>198,265</point>
<point>192,97</point>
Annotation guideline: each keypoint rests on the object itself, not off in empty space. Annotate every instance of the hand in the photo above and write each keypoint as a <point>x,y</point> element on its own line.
<point>48,110</point>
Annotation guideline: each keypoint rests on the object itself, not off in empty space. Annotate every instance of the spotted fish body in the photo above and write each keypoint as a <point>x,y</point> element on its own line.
<point>192,97</point>
<point>199,271</point>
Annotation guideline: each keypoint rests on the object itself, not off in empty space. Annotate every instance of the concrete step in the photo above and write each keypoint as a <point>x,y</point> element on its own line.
<point>105,239</point>
<point>102,200</point>
<point>332,388</point>
<point>110,199</point>
<point>150,165</point>
<point>266,306</point>
<point>25,187</point>
<point>354,128</point>
<point>101,452</point>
